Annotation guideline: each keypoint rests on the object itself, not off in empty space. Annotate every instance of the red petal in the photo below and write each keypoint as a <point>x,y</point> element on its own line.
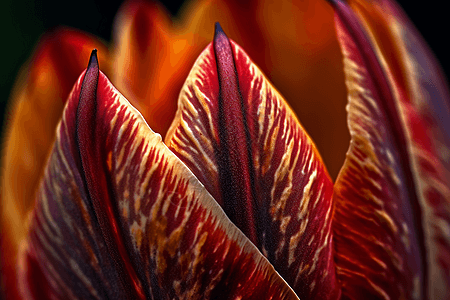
<point>239,137</point>
<point>392,238</point>
<point>36,106</point>
<point>119,216</point>
<point>295,46</point>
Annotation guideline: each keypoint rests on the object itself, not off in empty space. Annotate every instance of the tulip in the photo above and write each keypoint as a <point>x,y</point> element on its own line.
<point>236,202</point>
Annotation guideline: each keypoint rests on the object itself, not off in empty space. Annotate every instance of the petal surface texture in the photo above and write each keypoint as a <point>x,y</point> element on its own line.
<point>36,106</point>
<point>118,215</point>
<point>392,195</point>
<point>240,138</point>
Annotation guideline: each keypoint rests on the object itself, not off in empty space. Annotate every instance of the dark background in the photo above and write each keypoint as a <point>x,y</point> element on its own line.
<point>22,22</point>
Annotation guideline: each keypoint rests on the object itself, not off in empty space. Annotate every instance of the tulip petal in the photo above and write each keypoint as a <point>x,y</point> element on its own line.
<point>392,194</point>
<point>295,46</point>
<point>36,106</point>
<point>422,93</point>
<point>150,62</point>
<point>240,138</point>
<point>120,216</point>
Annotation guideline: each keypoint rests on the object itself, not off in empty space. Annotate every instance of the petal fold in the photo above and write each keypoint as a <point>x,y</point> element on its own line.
<point>240,138</point>
<point>120,216</point>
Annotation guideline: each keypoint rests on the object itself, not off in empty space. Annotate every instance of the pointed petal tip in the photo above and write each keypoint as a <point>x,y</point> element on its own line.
<point>218,28</point>
<point>93,60</point>
<point>218,32</point>
<point>91,77</point>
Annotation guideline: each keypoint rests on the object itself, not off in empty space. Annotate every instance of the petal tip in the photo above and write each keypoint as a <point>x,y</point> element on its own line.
<point>93,60</point>
<point>218,28</point>
<point>219,33</point>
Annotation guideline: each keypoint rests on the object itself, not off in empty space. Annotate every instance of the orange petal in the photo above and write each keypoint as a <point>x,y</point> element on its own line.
<point>150,63</point>
<point>239,137</point>
<point>36,106</point>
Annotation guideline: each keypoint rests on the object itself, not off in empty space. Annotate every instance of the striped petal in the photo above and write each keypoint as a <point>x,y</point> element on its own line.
<point>295,61</point>
<point>392,197</point>
<point>118,216</point>
<point>240,138</point>
<point>36,106</point>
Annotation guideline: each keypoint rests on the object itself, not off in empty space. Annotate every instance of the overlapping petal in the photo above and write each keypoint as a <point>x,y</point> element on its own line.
<point>240,138</point>
<point>392,195</point>
<point>119,216</point>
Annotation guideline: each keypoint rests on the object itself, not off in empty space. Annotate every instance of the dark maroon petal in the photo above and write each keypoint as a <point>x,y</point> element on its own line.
<point>119,216</point>
<point>392,238</point>
<point>233,154</point>
<point>88,136</point>
<point>243,142</point>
